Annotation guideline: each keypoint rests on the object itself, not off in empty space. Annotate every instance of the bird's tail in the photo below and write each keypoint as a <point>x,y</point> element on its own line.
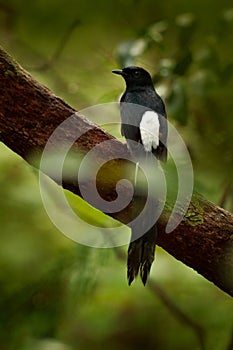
<point>141,250</point>
<point>141,255</point>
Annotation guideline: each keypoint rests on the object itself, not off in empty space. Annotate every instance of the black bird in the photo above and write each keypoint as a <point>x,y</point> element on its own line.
<point>144,125</point>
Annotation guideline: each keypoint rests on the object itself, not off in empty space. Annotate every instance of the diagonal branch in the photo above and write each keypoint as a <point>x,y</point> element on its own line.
<point>172,307</point>
<point>29,113</point>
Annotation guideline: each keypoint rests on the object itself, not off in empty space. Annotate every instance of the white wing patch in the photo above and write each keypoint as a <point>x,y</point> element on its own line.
<point>149,129</point>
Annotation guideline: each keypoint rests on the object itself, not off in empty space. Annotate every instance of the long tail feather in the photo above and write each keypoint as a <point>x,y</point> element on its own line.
<point>141,256</point>
<point>134,260</point>
<point>148,253</point>
<point>142,246</point>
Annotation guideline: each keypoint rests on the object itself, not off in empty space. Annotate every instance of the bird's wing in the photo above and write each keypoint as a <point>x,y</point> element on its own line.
<point>161,151</point>
<point>130,118</point>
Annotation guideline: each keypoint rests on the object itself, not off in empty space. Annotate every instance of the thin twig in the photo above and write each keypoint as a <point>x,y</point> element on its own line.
<point>230,344</point>
<point>225,194</point>
<point>178,313</point>
<point>10,13</point>
<point>60,48</point>
<point>172,307</point>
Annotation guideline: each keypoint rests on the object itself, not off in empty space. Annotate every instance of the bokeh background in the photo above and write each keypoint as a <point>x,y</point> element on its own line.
<point>56,294</point>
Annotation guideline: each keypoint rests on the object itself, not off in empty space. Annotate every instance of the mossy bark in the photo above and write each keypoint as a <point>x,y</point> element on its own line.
<point>29,113</point>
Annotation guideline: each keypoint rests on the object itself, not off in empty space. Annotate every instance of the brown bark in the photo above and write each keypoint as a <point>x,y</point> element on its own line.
<point>29,113</point>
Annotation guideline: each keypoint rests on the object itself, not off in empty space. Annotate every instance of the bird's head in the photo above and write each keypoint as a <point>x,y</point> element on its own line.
<point>134,76</point>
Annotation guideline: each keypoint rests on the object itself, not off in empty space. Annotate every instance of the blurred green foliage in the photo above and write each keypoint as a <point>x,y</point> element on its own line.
<point>57,294</point>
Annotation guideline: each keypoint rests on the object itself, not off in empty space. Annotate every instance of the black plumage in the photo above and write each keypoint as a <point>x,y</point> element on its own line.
<point>142,114</point>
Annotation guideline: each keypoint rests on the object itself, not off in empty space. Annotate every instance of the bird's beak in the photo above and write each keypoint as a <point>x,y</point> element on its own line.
<point>117,71</point>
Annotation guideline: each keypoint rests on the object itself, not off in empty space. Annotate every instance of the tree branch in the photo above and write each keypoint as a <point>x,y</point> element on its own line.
<point>29,113</point>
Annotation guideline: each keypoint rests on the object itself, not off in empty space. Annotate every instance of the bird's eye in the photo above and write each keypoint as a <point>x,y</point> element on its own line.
<point>136,73</point>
